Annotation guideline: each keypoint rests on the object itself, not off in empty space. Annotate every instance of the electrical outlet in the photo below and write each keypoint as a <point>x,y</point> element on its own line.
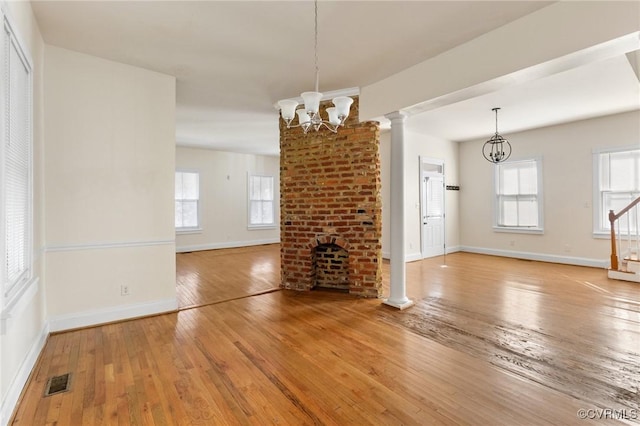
<point>124,290</point>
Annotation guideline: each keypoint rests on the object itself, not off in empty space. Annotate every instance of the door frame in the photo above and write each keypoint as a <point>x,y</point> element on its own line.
<point>421,174</point>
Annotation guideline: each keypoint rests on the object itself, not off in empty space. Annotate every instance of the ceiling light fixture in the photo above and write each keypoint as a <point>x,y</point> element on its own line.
<point>309,116</point>
<point>494,149</point>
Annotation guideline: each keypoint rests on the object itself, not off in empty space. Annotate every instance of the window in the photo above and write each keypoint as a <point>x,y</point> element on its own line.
<point>519,196</point>
<point>618,183</point>
<point>261,206</point>
<point>16,169</point>
<point>187,201</point>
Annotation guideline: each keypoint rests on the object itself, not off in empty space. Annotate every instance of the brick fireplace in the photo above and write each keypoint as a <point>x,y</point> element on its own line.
<point>330,207</point>
<point>330,263</point>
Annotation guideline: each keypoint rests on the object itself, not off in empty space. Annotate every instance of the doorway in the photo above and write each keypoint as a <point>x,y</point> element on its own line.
<point>432,207</point>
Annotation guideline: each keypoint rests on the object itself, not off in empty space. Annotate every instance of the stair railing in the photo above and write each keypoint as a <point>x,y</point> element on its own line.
<point>615,217</point>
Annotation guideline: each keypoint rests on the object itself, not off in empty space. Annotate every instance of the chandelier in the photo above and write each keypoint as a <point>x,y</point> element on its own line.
<point>309,116</point>
<point>494,149</point>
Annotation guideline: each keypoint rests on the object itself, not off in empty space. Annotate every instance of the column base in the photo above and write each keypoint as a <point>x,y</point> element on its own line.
<point>398,304</point>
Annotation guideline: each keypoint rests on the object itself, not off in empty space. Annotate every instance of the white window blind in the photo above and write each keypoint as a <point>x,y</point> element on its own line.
<point>187,199</point>
<point>518,195</point>
<point>618,184</point>
<point>261,206</point>
<point>16,167</point>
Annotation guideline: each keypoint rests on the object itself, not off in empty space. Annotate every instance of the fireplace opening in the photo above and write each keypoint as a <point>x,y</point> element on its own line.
<point>331,267</point>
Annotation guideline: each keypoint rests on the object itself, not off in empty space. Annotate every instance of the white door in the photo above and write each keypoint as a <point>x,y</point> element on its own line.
<point>432,210</point>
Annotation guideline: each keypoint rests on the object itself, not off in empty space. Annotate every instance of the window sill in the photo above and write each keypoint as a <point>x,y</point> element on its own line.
<point>187,231</point>
<point>516,230</point>
<point>606,235</point>
<point>261,227</point>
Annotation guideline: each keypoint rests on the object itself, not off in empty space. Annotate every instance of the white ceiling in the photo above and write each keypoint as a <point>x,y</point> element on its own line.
<point>234,59</point>
<point>600,88</point>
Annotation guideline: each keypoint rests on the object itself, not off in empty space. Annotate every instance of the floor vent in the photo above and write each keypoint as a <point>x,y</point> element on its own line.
<point>58,384</point>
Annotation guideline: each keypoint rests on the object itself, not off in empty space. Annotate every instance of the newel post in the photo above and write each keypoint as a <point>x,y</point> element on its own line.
<point>614,254</point>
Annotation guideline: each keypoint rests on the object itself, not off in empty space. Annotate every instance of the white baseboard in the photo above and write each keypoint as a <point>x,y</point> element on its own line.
<point>453,249</point>
<point>412,257</point>
<point>568,260</point>
<point>418,256</point>
<point>407,257</point>
<point>116,313</point>
<point>227,244</point>
<point>20,379</point>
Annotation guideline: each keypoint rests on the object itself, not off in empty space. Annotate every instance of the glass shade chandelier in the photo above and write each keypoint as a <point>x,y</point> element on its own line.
<point>309,116</point>
<point>497,149</point>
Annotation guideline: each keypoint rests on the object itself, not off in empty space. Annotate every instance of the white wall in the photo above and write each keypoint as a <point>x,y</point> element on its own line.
<point>25,332</point>
<point>566,152</point>
<point>418,145</point>
<point>109,167</point>
<point>223,198</point>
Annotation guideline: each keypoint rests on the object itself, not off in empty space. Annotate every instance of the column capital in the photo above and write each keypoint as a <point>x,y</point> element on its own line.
<point>397,116</point>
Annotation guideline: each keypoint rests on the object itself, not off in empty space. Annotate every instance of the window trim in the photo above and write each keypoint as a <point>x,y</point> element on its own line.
<point>185,230</point>
<point>539,197</point>
<point>254,227</point>
<point>598,232</point>
<point>15,298</point>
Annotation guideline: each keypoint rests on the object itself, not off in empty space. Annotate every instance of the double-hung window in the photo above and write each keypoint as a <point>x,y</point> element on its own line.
<point>518,196</point>
<point>187,201</point>
<point>617,174</point>
<point>15,169</point>
<point>261,201</point>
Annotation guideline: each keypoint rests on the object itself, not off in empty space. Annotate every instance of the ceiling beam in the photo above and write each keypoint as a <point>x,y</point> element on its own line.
<point>550,40</point>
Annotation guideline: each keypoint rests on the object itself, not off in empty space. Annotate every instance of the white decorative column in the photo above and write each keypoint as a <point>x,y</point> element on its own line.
<point>398,293</point>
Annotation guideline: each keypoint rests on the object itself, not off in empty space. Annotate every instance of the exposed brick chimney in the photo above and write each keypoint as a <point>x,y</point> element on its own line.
<point>330,198</point>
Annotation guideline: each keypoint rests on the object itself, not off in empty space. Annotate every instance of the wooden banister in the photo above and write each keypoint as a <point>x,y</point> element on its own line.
<point>612,218</point>
<point>623,211</point>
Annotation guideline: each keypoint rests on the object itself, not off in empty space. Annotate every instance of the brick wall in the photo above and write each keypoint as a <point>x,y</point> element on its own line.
<point>330,194</point>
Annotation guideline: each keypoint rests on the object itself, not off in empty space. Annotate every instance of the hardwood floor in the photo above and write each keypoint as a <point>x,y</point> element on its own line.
<point>213,276</point>
<point>490,341</point>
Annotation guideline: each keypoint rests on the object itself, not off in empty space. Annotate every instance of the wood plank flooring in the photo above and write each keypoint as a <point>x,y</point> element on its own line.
<point>328,358</point>
<point>213,276</point>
